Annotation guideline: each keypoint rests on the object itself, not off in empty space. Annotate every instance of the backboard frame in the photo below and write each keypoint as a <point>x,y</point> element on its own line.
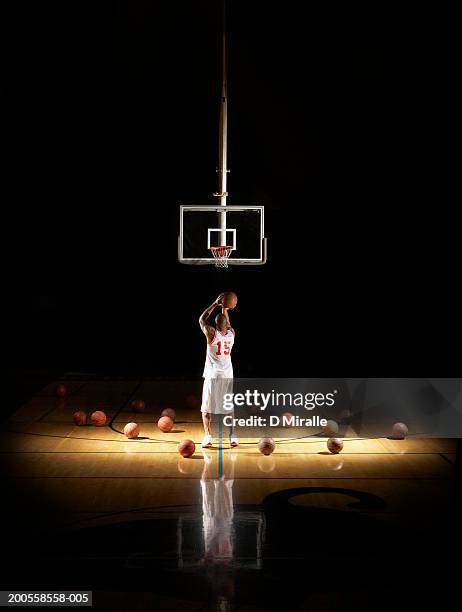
<point>238,261</point>
<point>230,243</point>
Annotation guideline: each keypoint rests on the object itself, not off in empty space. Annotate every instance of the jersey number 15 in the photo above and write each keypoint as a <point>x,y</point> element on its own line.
<point>226,348</point>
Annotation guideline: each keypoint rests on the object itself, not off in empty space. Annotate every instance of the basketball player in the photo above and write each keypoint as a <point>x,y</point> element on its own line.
<point>218,370</point>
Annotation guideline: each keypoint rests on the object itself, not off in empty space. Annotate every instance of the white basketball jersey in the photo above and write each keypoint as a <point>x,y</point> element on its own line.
<point>218,358</point>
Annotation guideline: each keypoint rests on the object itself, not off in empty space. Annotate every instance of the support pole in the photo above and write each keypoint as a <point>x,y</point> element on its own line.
<point>223,137</point>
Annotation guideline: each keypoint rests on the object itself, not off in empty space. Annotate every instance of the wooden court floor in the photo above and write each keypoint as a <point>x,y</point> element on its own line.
<point>89,509</point>
<point>91,472</point>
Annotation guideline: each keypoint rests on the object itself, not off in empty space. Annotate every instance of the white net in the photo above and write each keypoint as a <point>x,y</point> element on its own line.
<point>221,255</point>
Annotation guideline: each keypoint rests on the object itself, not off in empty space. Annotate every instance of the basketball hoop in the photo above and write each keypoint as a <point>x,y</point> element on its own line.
<point>221,255</point>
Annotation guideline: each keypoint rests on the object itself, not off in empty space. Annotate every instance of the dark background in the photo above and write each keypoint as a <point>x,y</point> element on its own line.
<point>336,117</point>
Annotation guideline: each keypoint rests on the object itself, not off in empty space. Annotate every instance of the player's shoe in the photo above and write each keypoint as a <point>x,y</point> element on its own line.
<point>207,441</point>
<point>233,441</point>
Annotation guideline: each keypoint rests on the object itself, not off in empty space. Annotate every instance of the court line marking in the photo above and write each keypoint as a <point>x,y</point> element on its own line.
<point>220,448</point>
<point>247,454</point>
<point>330,478</point>
<point>48,412</point>
<point>444,456</point>
<point>301,440</point>
<point>124,404</point>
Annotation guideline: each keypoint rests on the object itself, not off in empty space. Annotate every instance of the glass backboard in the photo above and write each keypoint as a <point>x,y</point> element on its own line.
<point>205,226</point>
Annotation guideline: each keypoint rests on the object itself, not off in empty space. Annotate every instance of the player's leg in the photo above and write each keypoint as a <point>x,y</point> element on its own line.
<point>206,418</point>
<point>233,439</point>
<point>228,388</point>
<point>206,412</point>
<point>207,439</point>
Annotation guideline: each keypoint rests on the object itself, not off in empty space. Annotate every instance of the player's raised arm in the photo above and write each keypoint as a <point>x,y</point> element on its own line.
<point>203,319</point>
<point>225,311</point>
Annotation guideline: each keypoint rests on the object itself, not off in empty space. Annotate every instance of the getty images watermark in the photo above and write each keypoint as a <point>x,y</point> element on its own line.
<point>431,407</point>
<point>261,401</point>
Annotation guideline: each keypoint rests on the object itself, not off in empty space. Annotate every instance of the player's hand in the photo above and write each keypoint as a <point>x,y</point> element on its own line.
<point>219,299</point>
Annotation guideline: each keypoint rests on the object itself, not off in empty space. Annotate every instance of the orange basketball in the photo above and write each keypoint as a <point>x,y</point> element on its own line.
<point>80,417</point>
<point>169,412</point>
<point>132,430</point>
<point>266,446</point>
<point>335,445</point>
<point>400,431</point>
<point>186,448</point>
<point>60,390</point>
<point>138,405</point>
<point>229,300</point>
<point>165,424</point>
<point>98,418</point>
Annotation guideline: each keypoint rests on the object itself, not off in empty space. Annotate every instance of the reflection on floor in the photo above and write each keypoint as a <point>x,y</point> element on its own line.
<point>226,529</point>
